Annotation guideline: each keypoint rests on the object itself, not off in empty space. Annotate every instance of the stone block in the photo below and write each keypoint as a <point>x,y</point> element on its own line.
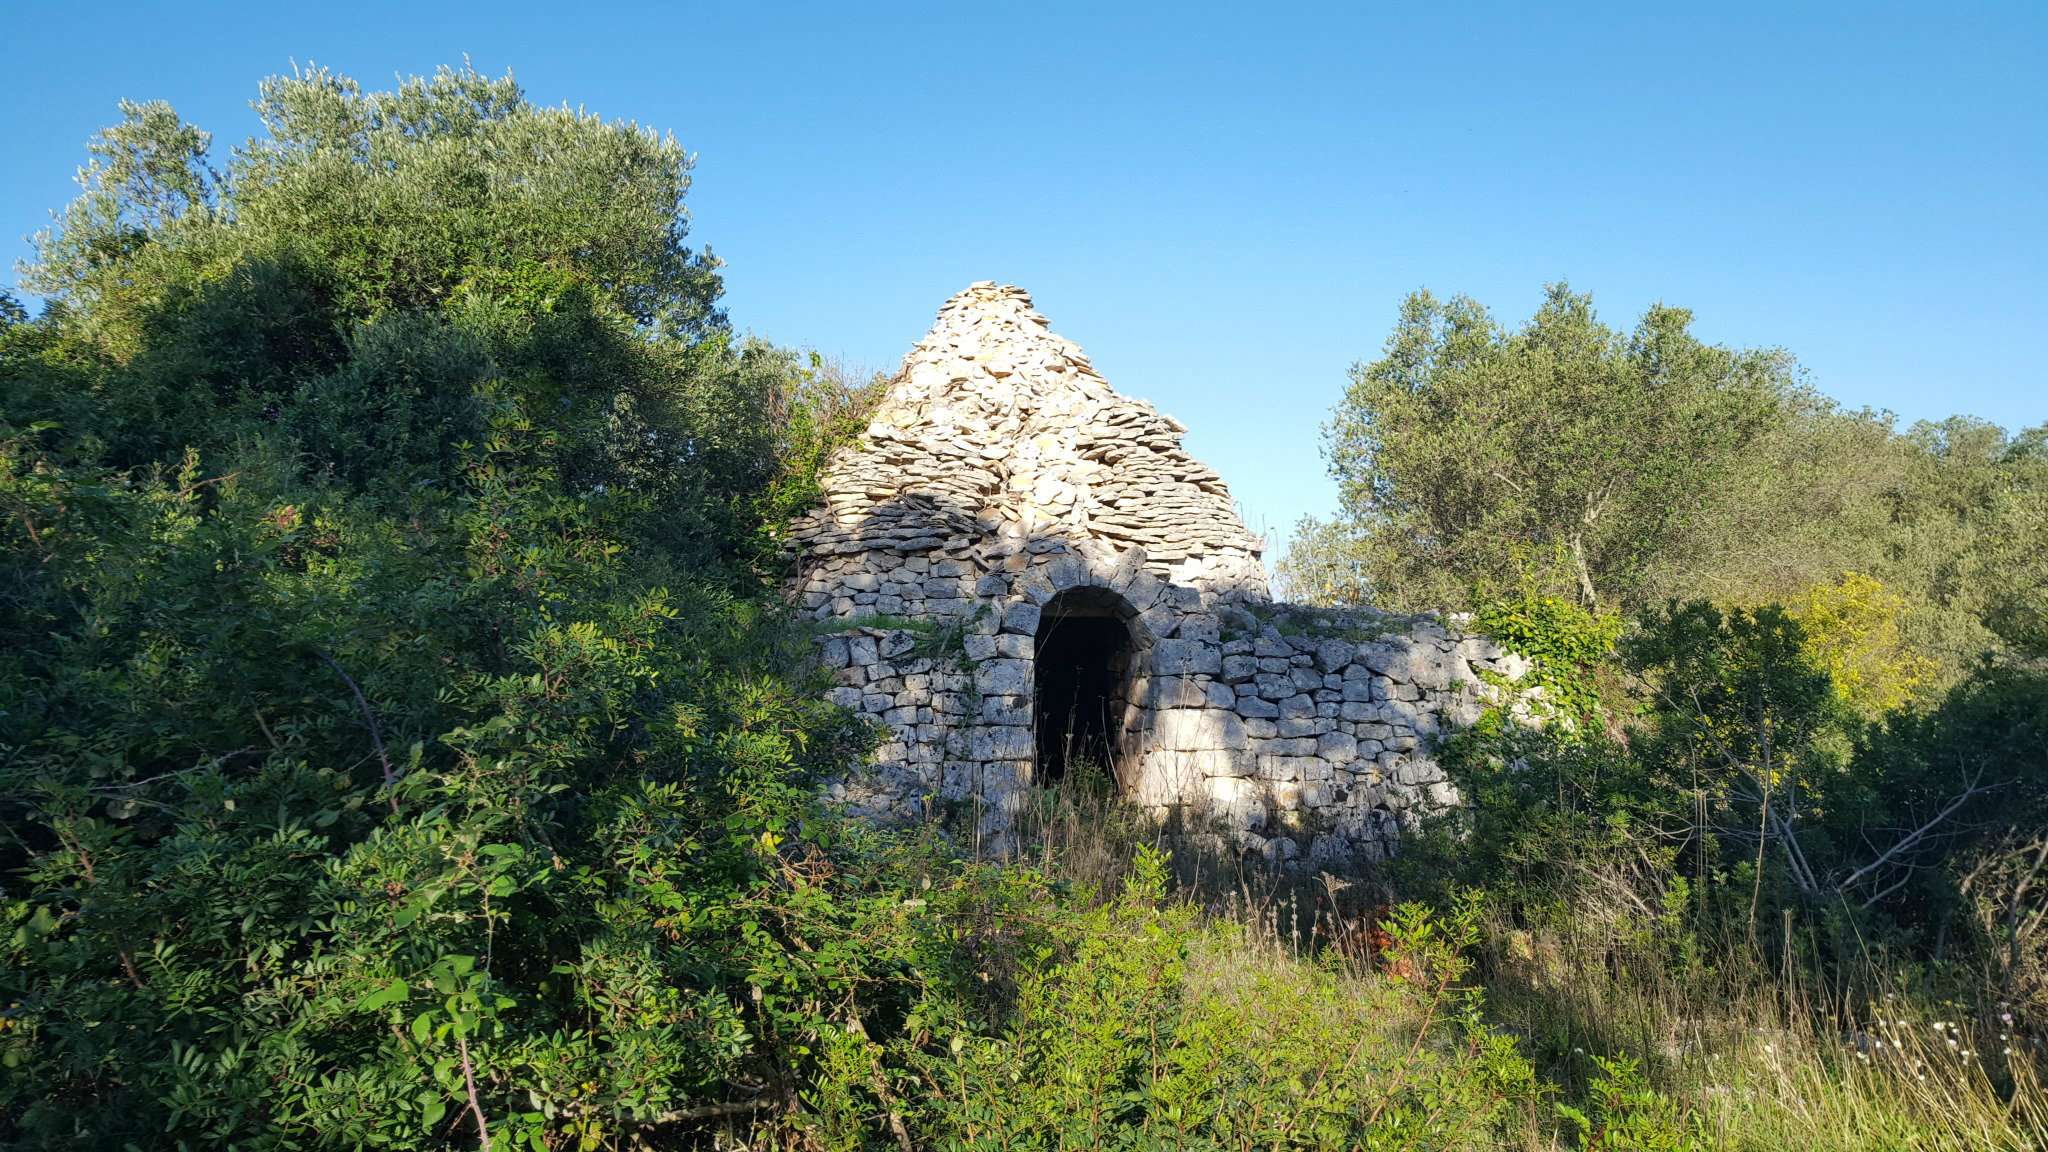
<point>1179,692</point>
<point>1280,768</point>
<point>1198,729</point>
<point>1235,668</point>
<point>958,779</point>
<point>1158,621</point>
<point>1296,746</point>
<point>1037,588</point>
<point>1021,618</point>
<point>1406,661</point>
<point>1067,572</point>
<point>1003,678</point>
<point>1142,591</point>
<point>1329,853</point>
<point>1220,762</point>
<point>1254,706</point>
<point>1415,771</point>
<point>1002,743</point>
<point>1186,657</point>
<point>1239,802</point>
<point>1008,711</point>
<point>833,652</point>
<point>1332,655</point>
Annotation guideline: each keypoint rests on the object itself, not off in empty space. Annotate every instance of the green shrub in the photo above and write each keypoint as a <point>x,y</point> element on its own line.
<point>1625,1114</point>
<point>1147,1029</point>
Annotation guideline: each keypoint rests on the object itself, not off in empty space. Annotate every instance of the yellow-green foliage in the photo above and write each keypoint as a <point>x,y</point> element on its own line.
<point>1853,632</point>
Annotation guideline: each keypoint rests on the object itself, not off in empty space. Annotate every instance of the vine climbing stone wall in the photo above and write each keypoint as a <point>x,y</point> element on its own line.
<point>1002,487</point>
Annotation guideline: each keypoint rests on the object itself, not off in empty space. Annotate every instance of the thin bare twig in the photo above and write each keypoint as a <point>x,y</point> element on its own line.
<point>476,1108</point>
<point>1970,790</point>
<point>376,733</point>
<point>189,489</point>
<point>713,1111</point>
<point>880,1082</point>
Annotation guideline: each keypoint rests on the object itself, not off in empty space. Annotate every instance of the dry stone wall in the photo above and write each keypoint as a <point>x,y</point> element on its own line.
<point>1003,488</point>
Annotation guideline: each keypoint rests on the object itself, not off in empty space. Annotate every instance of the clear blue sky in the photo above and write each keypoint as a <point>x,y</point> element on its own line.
<point>1225,205</point>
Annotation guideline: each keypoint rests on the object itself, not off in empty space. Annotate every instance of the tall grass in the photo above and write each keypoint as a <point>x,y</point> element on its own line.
<point>1721,1046</point>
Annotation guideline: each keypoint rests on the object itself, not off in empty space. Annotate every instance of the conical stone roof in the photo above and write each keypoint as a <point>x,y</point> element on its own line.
<point>997,430</point>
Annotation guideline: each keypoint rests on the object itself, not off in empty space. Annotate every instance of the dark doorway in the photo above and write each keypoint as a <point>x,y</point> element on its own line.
<point>1083,665</point>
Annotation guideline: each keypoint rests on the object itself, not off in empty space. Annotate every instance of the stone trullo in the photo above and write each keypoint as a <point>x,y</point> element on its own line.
<point>1020,573</point>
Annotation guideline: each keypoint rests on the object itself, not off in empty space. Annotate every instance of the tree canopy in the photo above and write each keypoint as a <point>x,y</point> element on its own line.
<point>391,701</point>
<point>1629,469</point>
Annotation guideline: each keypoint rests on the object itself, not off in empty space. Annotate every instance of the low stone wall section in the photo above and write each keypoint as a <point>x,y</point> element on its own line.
<point>1307,734</point>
